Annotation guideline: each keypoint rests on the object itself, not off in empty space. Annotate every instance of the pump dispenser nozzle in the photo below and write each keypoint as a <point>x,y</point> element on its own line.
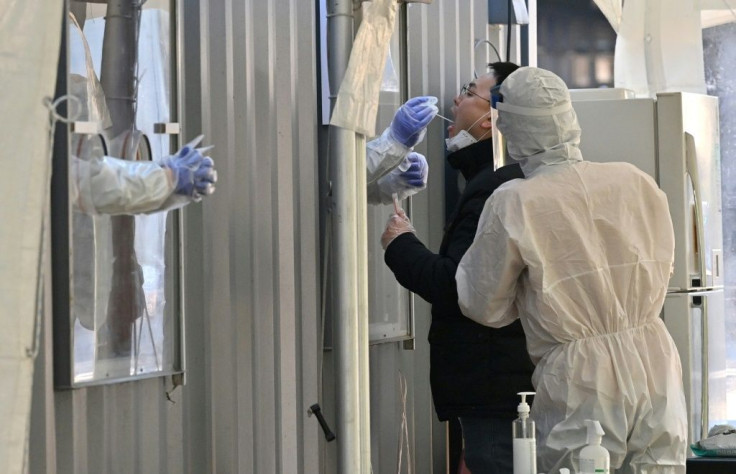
<point>523,407</point>
<point>595,431</point>
<point>594,458</point>
<point>524,441</point>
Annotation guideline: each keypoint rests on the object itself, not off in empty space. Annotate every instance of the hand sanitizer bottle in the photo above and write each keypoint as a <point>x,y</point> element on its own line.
<point>525,443</point>
<point>594,458</point>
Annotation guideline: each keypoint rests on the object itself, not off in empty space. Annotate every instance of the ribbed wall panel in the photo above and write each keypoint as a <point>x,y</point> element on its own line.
<point>259,237</point>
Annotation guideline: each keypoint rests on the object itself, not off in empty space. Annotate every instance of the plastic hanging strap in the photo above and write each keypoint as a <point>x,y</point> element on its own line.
<point>96,104</point>
<point>54,117</point>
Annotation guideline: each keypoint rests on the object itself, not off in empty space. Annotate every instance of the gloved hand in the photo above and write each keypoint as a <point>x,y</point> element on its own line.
<point>416,175</point>
<point>397,224</point>
<point>404,183</point>
<point>412,118</point>
<point>194,174</point>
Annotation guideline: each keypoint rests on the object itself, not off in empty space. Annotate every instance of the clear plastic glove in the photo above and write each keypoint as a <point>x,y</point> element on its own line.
<point>194,174</point>
<point>410,121</point>
<point>397,224</point>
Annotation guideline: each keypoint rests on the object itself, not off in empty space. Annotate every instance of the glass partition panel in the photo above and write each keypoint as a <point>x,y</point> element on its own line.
<point>390,310</point>
<point>123,318</point>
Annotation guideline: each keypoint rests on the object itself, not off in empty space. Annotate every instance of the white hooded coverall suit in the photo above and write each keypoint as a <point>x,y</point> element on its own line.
<point>582,253</point>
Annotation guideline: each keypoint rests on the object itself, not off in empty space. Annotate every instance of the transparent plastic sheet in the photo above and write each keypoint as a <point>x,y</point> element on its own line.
<point>390,81</point>
<point>357,101</point>
<point>154,75</point>
<point>721,441</point>
<point>499,148</point>
<point>94,279</point>
<point>96,106</point>
<point>729,452</point>
<point>87,238</point>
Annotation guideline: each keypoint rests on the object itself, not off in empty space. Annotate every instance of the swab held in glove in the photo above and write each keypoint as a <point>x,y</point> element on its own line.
<point>397,208</point>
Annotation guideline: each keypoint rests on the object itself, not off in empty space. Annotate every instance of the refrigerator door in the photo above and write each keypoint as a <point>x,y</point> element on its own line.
<point>696,322</point>
<point>618,130</point>
<point>690,175</point>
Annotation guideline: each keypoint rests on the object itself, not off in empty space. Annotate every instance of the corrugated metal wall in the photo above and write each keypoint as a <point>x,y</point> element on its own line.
<point>250,84</point>
<point>252,338</point>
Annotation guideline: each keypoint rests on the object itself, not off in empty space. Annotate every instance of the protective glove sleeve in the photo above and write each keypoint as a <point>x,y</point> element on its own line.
<point>113,186</point>
<point>383,154</point>
<point>403,183</point>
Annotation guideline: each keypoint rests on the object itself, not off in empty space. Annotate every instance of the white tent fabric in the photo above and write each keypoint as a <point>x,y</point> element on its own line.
<point>659,47</point>
<point>30,32</point>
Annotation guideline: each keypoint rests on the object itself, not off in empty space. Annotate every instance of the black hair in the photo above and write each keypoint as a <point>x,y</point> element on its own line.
<point>501,70</point>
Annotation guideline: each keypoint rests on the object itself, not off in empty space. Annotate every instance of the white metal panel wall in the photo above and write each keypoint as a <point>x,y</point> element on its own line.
<point>259,246</point>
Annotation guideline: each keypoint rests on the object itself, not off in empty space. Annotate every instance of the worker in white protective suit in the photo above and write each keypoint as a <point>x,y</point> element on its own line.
<point>581,253</point>
<point>391,164</point>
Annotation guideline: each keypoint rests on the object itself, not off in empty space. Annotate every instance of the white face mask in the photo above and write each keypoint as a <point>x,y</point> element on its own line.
<point>463,138</point>
<point>459,141</point>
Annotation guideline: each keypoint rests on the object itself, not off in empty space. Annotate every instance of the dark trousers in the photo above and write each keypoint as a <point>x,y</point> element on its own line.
<point>488,445</point>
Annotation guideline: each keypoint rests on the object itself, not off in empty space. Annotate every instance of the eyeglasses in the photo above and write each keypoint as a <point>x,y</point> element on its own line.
<point>465,91</point>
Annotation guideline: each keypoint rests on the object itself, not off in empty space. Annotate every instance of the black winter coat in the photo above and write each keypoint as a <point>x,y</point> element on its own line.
<point>474,370</point>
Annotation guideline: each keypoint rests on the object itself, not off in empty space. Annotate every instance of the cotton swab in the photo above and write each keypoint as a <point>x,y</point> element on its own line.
<point>445,118</point>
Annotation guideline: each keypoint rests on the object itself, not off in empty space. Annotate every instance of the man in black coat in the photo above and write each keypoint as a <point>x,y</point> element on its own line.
<point>475,371</point>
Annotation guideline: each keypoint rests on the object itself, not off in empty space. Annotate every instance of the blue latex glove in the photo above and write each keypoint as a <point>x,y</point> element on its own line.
<point>418,170</point>
<point>404,183</point>
<point>195,174</point>
<point>205,177</point>
<point>412,118</point>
